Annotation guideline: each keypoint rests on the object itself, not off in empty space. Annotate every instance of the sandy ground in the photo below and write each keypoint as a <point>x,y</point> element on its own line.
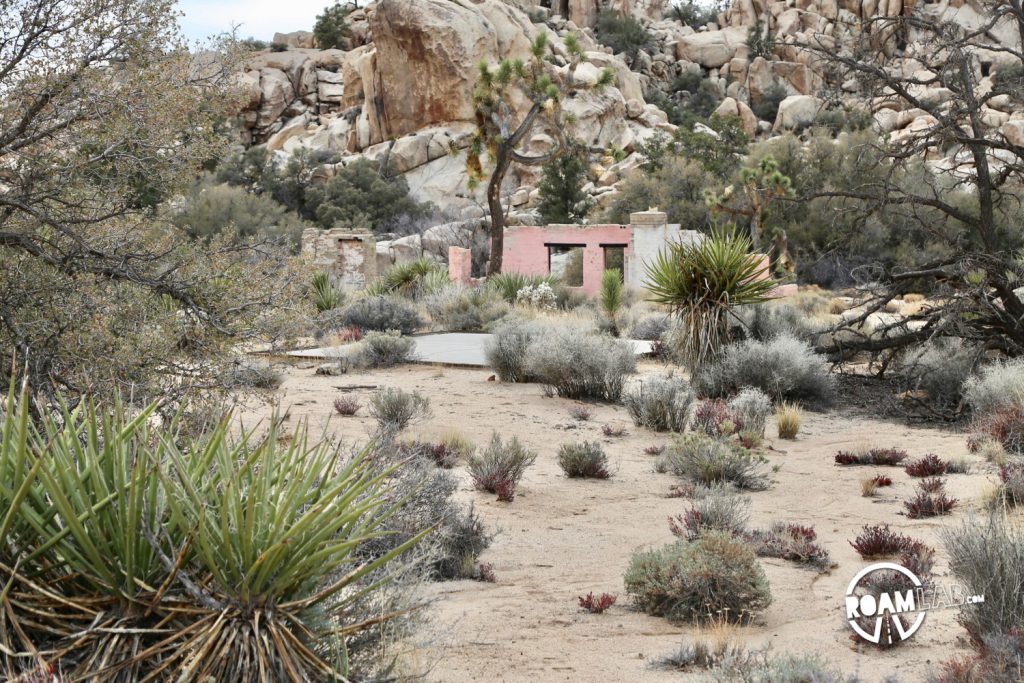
<point>562,538</point>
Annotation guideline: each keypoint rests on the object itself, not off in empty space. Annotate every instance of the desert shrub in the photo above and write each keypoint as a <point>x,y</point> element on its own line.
<point>927,466</point>
<point>880,541</point>
<point>1004,425</point>
<point>660,403</point>
<point>541,296</point>
<point>767,107</point>
<point>573,365</point>
<point>996,386</point>
<point>988,556</point>
<point>783,367</point>
<point>561,195</point>
<point>361,195</point>
<point>613,430</point>
<point>440,454</point>
<point>379,313</point>
<point>597,604</point>
<point>940,370</point>
<point>384,349</point>
<point>581,413</point>
<point>843,119</point>
<point>395,409</point>
<point>958,466</point>
<point>650,327</point>
<point>873,456</point>
<point>508,284</point>
<point>932,484</point>
<point>209,210</point>
<point>347,406</point>
<point>460,542</point>
<point>929,504</point>
<point>244,373</point>
<point>692,14</point>
<point>792,542</point>
<point>412,279</point>
<point>586,459</point>
<point>750,409</point>
<point>677,187</point>
<point>500,467</point>
<point>788,418</point>
<point>713,418</point>
<point>706,460</point>
<point>785,668</point>
<point>623,34</point>
<point>726,512</point>
<point>689,581</point>
<point>457,308</point>
<point>611,299</point>
<point>1011,488</point>
<point>769,320</point>
<point>331,29</point>
<point>506,350</point>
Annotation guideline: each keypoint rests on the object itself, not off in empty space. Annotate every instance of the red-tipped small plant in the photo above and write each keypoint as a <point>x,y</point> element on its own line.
<point>485,572</point>
<point>881,480</point>
<point>616,430</point>
<point>793,542</point>
<point>347,406</point>
<point>597,604</point>
<point>874,456</point>
<point>581,413</point>
<point>654,450</point>
<point>352,333</point>
<point>931,484</point>
<point>879,541</point>
<point>926,504</point>
<point>714,418</point>
<point>928,466</point>
<point>1005,425</point>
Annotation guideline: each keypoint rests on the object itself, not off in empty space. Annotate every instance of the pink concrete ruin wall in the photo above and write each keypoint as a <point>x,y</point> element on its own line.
<point>526,249</point>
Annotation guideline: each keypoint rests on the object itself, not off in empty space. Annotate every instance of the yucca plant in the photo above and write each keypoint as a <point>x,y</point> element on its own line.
<point>508,284</point>
<point>413,279</point>
<point>326,297</point>
<point>701,282</point>
<point>130,555</point>
<point>611,297</point>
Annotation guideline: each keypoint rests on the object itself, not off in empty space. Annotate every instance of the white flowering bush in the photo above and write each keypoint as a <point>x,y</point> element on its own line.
<point>538,296</point>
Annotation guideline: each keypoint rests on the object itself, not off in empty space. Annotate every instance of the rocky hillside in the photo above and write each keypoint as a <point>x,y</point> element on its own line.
<point>403,90</point>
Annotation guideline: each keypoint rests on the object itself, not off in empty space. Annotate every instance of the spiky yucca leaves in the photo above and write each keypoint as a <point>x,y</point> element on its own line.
<point>701,282</point>
<point>326,296</point>
<point>128,556</point>
<point>412,280</point>
<point>508,284</point>
<point>611,297</point>
<point>501,128</point>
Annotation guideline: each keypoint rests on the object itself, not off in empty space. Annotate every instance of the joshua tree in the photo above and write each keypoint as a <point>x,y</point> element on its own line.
<point>760,185</point>
<point>501,128</point>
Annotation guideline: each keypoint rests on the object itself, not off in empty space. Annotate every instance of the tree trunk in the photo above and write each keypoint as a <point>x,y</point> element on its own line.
<point>497,213</point>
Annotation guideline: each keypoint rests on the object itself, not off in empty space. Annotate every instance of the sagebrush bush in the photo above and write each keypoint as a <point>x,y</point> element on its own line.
<point>763,322</point>
<point>395,409</point>
<point>248,374</point>
<point>785,668</point>
<point>651,327</point>
<point>506,350</point>
<point>793,542</point>
<point>347,406</point>
<point>460,542</point>
<point>500,467</point>
<point>999,385</point>
<point>713,575</point>
<point>707,460</point>
<point>988,556</point>
<point>750,409</point>
<point>783,367</point>
<point>457,308</point>
<point>573,365</point>
<point>940,369</point>
<point>660,403</point>
<point>379,313</point>
<point>586,459</point>
<point>384,349</point>
<point>725,512</point>
<point>1011,488</point>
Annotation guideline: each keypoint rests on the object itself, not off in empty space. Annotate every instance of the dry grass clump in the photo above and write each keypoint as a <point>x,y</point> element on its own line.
<point>788,418</point>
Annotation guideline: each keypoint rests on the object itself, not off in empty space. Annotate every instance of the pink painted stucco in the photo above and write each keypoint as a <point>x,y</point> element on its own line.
<point>526,249</point>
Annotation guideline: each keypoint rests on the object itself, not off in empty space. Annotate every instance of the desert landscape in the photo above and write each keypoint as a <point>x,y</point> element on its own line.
<point>511,340</point>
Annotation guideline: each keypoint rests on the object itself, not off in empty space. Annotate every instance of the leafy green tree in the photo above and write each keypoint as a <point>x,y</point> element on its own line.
<point>677,188</point>
<point>209,210</point>
<point>331,28</point>
<point>98,292</point>
<point>359,196</point>
<point>759,186</point>
<point>562,199</point>
<point>622,33</point>
<point>501,130</point>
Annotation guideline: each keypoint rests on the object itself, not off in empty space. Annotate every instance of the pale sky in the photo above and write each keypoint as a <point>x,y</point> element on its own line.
<point>258,18</point>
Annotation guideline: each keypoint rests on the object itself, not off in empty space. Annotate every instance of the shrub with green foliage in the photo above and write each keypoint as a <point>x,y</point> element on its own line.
<point>760,40</point>
<point>384,349</point>
<point>326,295</point>
<point>623,34</point>
<point>574,365</point>
<point>361,196</point>
<point>719,511</point>
<point>769,320</point>
<point>562,199</point>
<point>331,29</point>
<point>458,308</point>
<point>411,279</point>
<point>998,385</point>
<point>501,466</point>
<point>676,187</point>
<point>509,283</point>
<point>586,459</point>
<point>708,460</point>
<point>767,107</point>
<point>506,350</point>
<point>380,313</point>
<point>715,576</point>
<point>783,367</point>
<point>208,210</point>
<point>660,403</point>
<point>750,410</point>
<point>395,409</point>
